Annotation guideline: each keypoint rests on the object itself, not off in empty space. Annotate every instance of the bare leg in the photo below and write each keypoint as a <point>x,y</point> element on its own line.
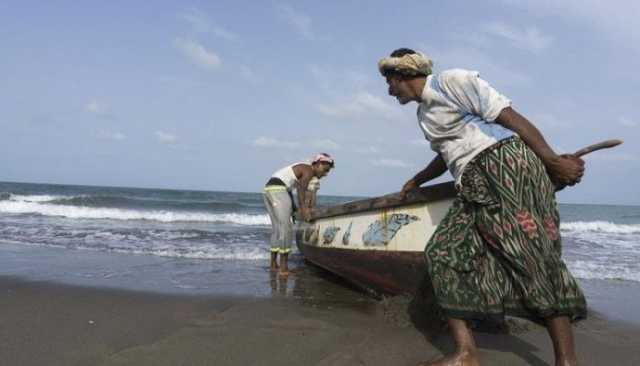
<point>284,264</point>
<point>274,261</point>
<point>466,353</point>
<point>559,328</point>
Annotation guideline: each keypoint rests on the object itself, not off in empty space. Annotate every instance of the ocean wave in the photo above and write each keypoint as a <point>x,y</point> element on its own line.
<point>77,212</point>
<point>605,227</point>
<point>115,201</point>
<point>603,271</point>
<point>31,198</point>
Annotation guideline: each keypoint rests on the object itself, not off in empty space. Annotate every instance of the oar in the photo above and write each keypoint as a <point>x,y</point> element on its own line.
<point>607,144</point>
<point>599,146</point>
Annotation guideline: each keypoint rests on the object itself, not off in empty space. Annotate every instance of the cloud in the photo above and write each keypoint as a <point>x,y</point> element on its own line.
<point>198,54</point>
<point>529,38</point>
<point>113,136</point>
<point>269,142</point>
<point>627,122</point>
<point>299,21</point>
<point>390,163</point>
<point>367,150</point>
<point>325,144</point>
<point>96,107</point>
<point>618,20</point>
<point>223,33</point>
<point>165,137</point>
<point>200,23</point>
<point>358,105</point>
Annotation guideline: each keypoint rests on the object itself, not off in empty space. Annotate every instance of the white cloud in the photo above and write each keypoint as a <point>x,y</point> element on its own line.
<point>165,137</point>
<point>325,144</point>
<point>390,163</point>
<point>299,21</point>
<point>360,104</point>
<point>223,33</point>
<point>113,136</point>
<point>529,38</point>
<point>269,142</point>
<point>200,22</point>
<point>198,54</point>
<point>628,123</point>
<point>367,150</point>
<point>618,19</point>
<point>96,107</point>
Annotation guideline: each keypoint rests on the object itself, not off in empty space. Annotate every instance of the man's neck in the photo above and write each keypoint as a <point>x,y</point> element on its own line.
<point>417,87</point>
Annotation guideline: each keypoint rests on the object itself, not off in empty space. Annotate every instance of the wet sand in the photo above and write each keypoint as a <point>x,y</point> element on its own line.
<point>50,324</point>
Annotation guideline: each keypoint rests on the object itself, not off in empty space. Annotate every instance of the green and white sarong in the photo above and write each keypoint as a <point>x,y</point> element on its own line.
<point>498,250</point>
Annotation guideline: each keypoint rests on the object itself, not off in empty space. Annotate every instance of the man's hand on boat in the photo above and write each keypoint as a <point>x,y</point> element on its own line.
<point>411,185</point>
<point>305,213</point>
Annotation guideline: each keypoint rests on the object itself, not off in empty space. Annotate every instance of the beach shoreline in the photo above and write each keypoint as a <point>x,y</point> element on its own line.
<point>57,324</point>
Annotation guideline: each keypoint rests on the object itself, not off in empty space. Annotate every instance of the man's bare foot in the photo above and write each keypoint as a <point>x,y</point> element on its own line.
<point>284,273</point>
<point>461,358</point>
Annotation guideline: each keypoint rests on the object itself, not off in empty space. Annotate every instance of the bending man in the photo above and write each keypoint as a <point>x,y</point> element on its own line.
<point>278,199</point>
<point>498,249</point>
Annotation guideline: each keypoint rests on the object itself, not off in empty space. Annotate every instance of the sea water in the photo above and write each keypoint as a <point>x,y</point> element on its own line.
<point>201,242</point>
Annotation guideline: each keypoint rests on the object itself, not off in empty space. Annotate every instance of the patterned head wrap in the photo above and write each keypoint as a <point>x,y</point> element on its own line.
<point>323,158</point>
<point>415,64</point>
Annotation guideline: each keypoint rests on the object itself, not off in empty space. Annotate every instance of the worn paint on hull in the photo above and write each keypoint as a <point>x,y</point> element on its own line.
<point>377,244</point>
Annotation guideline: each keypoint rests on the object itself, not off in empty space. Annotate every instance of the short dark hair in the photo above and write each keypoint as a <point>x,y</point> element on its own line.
<point>402,51</point>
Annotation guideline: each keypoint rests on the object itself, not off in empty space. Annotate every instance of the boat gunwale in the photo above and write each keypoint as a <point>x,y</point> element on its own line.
<point>427,194</point>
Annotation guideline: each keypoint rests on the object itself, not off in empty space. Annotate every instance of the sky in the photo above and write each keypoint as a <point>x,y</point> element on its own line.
<point>217,95</point>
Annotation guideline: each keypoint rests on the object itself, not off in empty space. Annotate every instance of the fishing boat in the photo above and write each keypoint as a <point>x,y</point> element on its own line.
<point>377,243</point>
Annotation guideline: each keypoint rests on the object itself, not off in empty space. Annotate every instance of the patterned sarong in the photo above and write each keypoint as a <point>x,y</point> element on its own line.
<point>498,250</point>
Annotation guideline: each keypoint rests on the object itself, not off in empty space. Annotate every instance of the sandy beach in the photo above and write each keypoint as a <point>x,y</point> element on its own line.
<point>46,323</point>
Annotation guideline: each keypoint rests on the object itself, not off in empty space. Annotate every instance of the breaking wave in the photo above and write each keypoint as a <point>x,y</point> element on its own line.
<point>79,212</point>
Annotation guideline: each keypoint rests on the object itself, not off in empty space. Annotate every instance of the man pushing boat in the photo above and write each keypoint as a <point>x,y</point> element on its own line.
<point>497,251</point>
<point>278,198</point>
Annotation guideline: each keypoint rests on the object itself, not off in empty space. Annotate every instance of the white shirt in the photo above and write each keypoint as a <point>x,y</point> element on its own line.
<point>288,176</point>
<point>457,115</point>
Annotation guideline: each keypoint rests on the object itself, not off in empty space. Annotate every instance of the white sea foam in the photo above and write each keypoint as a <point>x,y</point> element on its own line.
<point>35,198</point>
<point>603,270</point>
<point>77,212</point>
<point>599,227</point>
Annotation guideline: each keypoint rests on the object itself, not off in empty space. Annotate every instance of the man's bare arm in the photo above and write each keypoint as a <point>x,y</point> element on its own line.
<point>304,175</point>
<point>436,168</point>
<point>564,170</point>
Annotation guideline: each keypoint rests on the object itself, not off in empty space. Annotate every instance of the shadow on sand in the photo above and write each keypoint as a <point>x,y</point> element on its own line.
<point>425,315</point>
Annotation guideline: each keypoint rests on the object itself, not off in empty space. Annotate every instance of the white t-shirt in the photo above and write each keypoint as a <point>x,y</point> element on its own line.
<point>287,175</point>
<point>457,115</point>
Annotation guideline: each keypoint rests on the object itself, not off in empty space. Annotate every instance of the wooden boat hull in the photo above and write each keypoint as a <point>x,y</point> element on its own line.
<point>377,244</point>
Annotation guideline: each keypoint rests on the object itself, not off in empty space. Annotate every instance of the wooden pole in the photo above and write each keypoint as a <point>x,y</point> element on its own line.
<point>600,145</point>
